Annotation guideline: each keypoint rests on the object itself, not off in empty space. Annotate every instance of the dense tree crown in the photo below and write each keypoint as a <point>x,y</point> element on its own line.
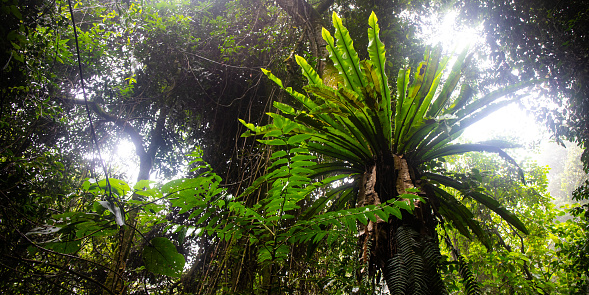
<point>287,147</point>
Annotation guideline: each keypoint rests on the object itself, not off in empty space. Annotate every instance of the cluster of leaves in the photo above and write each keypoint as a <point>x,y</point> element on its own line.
<point>352,118</point>
<point>131,54</point>
<point>270,225</point>
<point>37,176</point>
<point>79,231</point>
<point>143,61</point>
<point>518,263</point>
<point>291,186</point>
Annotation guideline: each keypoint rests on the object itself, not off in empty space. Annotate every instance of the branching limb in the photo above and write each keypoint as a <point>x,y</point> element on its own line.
<point>136,138</point>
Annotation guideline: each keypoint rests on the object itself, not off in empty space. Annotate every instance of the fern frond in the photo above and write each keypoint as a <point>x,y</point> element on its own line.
<point>468,279</point>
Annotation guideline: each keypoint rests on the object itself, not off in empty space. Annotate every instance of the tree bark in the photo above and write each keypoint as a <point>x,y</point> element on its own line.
<point>406,250</point>
<point>310,19</point>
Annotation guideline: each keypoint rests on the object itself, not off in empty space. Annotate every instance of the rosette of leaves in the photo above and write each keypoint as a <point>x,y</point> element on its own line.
<point>387,146</point>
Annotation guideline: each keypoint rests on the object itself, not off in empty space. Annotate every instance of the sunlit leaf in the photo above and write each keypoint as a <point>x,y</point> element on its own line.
<point>161,257</point>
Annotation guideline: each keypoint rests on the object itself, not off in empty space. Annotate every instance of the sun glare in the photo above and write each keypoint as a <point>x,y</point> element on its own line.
<point>445,32</point>
<point>127,160</point>
<point>510,122</point>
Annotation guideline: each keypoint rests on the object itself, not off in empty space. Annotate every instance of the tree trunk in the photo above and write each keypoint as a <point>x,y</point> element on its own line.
<point>310,19</point>
<point>115,278</point>
<point>406,250</point>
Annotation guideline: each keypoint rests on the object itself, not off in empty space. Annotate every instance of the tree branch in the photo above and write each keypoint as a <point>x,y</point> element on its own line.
<point>136,138</point>
<point>324,6</point>
<point>64,269</point>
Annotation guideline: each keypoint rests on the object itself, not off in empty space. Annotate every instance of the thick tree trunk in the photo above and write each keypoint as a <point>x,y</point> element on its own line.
<point>310,19</point>
<point>406,250</point>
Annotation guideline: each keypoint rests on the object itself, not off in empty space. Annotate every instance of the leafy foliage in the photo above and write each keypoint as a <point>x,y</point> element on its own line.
<point>351,169</point>
<point>355,124</point>
<point>161,257</point>
<point>513,253</point>
<point>405,273</point>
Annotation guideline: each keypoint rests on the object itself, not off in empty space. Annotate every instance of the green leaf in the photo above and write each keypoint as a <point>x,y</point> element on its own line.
<point>302,164</point>
<point>272,77</point>
<point>371,216</point>
<point>403,205</point>
<point>488,99</point>
<point>118,186</point>
<point>249,126</point>
<point>458,149</point>
<point>195,213</point>
<point>275,141</point>
<point>278,162</point>
<point>98,208</point>
<point>15,11</point>
<point>298,138</point>
<point>449,86</point>
<point>284,108</point>
<point>302,158</point>
<point>382,215</point>
<point>402,106</point>
<point>66,247</point>
<point>393,211</point>
<point>460,216</point>
<point>161,257</point>
<point>308,71</point>
<point>278,154</point>
<point>88,228</point>
<point>348,56</point>
<point>350,223</point>
<point>481,198</point>
<point>499,209</point>
<point>376,51</point>
<point>143,184</point>
<point>336,57</point>
<point>320,203</point>
<point>440,136</point>
<point>203,218</point>
<point>273,133</point>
